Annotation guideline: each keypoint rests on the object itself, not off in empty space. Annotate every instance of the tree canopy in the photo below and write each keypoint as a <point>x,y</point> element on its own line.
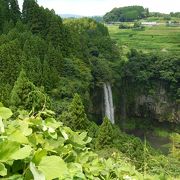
<point>125,14</point>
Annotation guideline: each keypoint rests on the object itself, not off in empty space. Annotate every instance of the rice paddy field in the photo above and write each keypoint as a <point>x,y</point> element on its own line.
<point>155,38</point>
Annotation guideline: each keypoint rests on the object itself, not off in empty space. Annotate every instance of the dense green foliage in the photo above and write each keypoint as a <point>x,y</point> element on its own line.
<point>105,134</point>
<point>165,16</point>
<point>42,148</point>
<point>126,14</point>
<point>25,95</point>
<point>75,117</point>
<point>9,14</point>
<point>60,57</point>
<point>15,13</point>
<point>141,154</point>
<point>152,73</point>
<point>48,63</point>
<point>134,13</point>
<point>148,69</point>
<point>135,26</point>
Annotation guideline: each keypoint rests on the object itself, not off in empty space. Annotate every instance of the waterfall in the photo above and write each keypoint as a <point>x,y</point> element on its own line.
<point>108,99</point>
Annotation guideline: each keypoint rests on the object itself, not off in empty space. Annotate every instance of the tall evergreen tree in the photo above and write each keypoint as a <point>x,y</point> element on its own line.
<point>15,13</point>
<point>55,32</point>
<point>75,117</point>
<point>105,134</point>
<point>27,96</point>
<point>10,60</point>
<point>21,91</point>
<point>33,67</point>
<point>49,76</point>
<point>1,17</point>
<point>28,10</point>
<point>4,13</point>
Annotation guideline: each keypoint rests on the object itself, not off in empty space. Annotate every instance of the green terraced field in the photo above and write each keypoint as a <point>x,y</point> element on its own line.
<point>156,38</point>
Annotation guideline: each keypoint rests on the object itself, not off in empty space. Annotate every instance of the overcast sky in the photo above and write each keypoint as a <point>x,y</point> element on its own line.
<point>100,7</point>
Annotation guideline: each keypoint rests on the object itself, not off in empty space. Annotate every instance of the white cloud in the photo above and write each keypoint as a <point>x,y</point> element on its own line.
<point>100,7</point>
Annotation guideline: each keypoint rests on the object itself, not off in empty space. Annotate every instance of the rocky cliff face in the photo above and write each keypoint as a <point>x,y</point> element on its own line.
<point>157,106</point>
<point>136,103</point>
<point>96,110</point>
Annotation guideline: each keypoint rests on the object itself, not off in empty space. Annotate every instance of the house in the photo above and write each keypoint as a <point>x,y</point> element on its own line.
<point>149,23</point>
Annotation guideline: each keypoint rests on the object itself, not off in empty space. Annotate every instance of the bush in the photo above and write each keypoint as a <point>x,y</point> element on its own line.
<point>124,26</point>
<point>39,147</point>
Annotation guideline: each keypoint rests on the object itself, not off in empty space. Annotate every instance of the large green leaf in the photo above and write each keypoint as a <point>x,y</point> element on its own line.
<point>14,177</point>
<point>52,123</point>
<point>10,150</point>
<point>80,139</point>
<point>65,135</point>
<point>53,167</point>
<point>7,149</point>
<point>22,153</point>
<point>18,136</point>
<point>3,170</point>
<point>1,126</point>
<point>24,127</point>
<point>5,113</point>
<point>37,175</point>
<point>75,170</point>
<point>39,154</point>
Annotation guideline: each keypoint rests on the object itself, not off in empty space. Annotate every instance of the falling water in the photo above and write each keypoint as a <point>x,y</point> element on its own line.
<point>109,108</point>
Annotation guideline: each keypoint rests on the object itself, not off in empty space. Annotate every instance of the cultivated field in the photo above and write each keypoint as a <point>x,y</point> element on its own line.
<point>156,38</point>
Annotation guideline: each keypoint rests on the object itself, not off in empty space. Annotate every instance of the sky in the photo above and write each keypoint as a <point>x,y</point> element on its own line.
<point>100,7</point>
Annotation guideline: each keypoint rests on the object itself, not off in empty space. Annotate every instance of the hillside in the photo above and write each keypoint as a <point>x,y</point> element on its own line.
<point>135,13</point>
<point>153,38</point>
<point>126,14</point>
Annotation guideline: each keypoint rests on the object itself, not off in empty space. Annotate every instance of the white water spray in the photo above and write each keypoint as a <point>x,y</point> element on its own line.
<point>109,108</point>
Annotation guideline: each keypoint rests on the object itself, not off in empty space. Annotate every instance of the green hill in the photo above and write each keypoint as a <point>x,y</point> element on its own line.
<point>126,14</point>
<point>159,38</point>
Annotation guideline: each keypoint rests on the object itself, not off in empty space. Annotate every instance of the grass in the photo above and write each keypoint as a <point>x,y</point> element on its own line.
<point>160,19</point>
<point>162,132</point>
<point>156,38</point>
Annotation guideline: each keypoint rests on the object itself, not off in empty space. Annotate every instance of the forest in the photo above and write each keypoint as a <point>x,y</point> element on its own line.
<point>72,101</point>
<point>126,14</point>
<point>134,13</point>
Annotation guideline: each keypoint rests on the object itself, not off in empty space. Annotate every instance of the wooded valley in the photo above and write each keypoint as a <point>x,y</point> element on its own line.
<point>81,99</point>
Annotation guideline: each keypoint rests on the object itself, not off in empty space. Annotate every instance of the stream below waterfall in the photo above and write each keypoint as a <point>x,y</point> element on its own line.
<point>161,143</point>
<point>157,142</point>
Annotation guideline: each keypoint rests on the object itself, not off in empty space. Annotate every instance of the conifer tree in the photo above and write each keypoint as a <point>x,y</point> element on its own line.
<point>55,58</point>
<point>10,59</point>
<point>49,76</point>
<point>1,18</point>
<point>75,117</point>
<point>15,13</point>
<point>38,21</point>
<point>21,91</point>
<point>28,10</point>
<point>33,67</point>
<point>55,32</point>
<point>27,96</point>
<point>4,13</point>
<point>105,135</point>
